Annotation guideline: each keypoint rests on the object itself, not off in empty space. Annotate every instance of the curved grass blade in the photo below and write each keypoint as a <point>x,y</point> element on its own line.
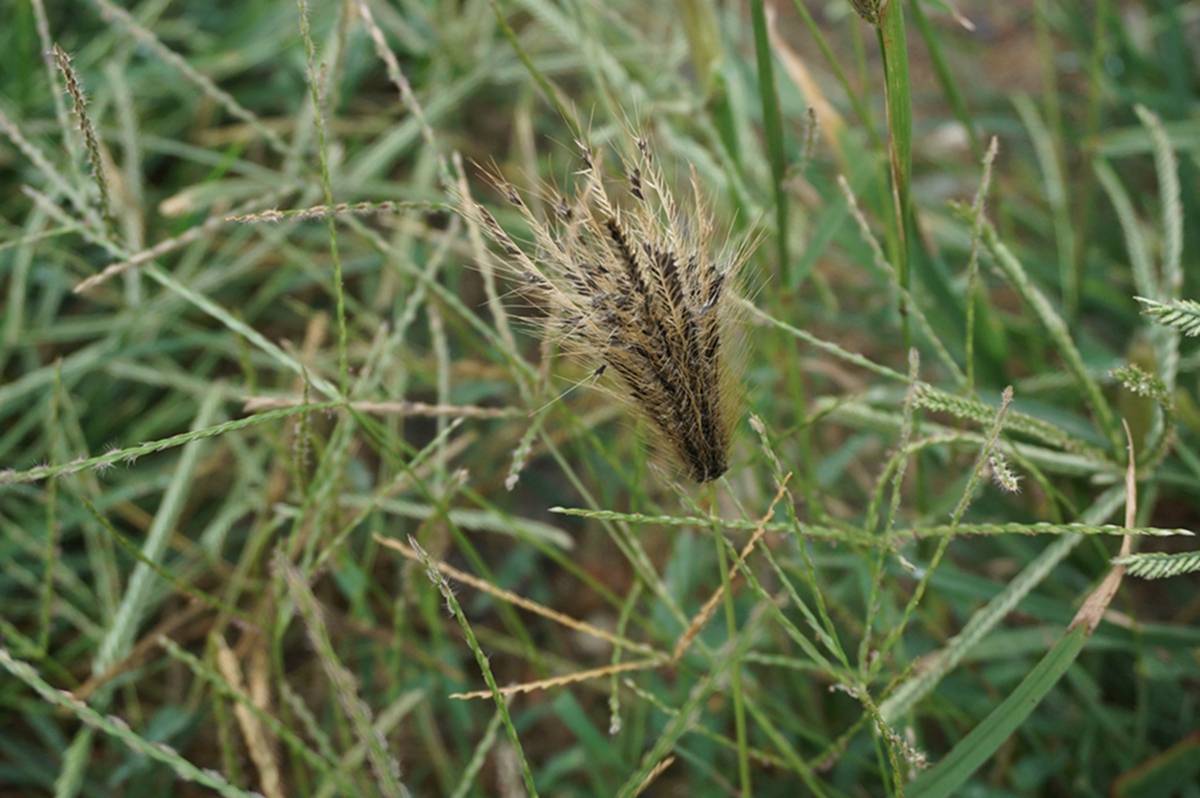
<point>977,747</point>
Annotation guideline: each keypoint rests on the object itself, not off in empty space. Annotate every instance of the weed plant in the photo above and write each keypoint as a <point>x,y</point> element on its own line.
<point>318,470</point>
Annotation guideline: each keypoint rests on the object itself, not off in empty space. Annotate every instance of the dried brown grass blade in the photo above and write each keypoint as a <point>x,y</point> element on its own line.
<point>654,774</point>
<point>255,404</point>
<point>258,740</point>
<point>565,679</point>
<point>524,603</point>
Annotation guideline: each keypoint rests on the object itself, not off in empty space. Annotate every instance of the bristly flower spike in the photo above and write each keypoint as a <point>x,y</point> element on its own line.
<point>637,288</point>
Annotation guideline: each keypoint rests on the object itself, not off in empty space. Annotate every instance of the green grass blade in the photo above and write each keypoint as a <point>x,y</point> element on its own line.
<point>138,594</point>
<point>945,76</point>
<point>1166,168</point>
<point>339,291</point>
<point>1050,164</point>
<point>773,128</point>
<point>950,774</point>
<point>898,98</point>
<point>1138,249</point>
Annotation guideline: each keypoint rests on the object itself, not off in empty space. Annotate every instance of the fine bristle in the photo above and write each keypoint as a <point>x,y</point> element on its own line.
<point>638,289</point>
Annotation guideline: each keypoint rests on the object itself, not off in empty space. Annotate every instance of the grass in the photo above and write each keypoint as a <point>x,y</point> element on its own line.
<point>297,499</point>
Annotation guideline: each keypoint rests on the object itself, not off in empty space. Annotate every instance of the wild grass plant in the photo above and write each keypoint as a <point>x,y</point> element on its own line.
<point>510,397</point>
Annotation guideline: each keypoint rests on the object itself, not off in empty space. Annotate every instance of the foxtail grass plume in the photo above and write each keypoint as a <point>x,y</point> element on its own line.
<point>638,289</point>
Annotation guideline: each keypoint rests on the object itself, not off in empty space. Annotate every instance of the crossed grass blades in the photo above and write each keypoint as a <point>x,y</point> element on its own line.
<point>642,289</point>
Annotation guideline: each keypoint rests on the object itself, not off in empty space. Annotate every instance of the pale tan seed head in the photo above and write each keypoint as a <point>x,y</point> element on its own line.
<point>634,284</point>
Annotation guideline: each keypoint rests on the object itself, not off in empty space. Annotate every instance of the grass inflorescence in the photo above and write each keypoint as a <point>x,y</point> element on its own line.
<point>641,288</point>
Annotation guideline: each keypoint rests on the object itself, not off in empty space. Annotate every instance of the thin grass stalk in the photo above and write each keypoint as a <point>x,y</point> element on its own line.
<point>773,126</point>
<point>1081,222</point>
<point>821,663</point>
<point>1052,151</point>
<point>53,530</point>
<point>193,297</point>
<point>46,41</point>
<point>1170,281</point>
<point>874,597</point>
<point>735,672</point>
<point>481,659</point>
<point>757,754</point>
<point>407,95</point>
<point>689,712</point>
<point>894,746</point>
<point>38,159</point>
<point>133,453</point>
<point>885,266</point>
<point>857,103</point>
<point>1050,164</point>
<point>484,262</point>
<point>548,89</point>
<point>787,750</point>
<point>389,719</point>
<point>893,44</point>
<point>614,695</point>
<point>825,629</point>
<point>1057,329</point>
<point>133,260</point>
<point>137,599</point>
<point>300,710</point>
<point>383,764</point>
<point>163,573</point>
<point>974,478</point>
<point>339,291</point>
<point>617,641</point>
<point>978,207</point>
<point>478,757</point>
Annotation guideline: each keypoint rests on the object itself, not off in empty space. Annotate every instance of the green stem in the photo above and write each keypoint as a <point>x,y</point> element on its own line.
<point>773,125</point>
<point>735,672</point>
<point>894,46</point>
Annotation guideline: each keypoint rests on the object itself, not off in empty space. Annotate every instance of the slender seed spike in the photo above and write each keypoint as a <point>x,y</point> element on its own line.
<point>635,184</point>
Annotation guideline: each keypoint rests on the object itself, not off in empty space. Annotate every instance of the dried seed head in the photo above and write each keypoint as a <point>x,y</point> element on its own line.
<point>870,10</point>
<point>641,290</point>
<point>1003,475</point>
